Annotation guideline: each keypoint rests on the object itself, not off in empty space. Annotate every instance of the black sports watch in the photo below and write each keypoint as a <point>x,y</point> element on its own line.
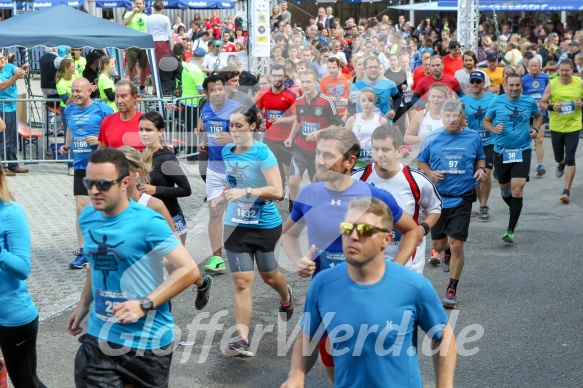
<point>147,304</point>
<point>248,195</point>
<point>426,227</point>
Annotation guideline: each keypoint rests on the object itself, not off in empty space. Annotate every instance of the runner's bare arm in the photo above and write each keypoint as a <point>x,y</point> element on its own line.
<point>301,362</point>
<point>544,103</point>
<point>444,360</point>
<point>82,309</point>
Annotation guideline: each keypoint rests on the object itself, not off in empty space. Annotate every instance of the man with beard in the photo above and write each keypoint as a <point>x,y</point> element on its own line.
<point>436,76</point>
<point>463,75</point>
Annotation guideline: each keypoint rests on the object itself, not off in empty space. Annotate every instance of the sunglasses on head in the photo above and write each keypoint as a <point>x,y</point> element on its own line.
<point>101,184</point>
<point>363,230</point>
<point>475,81</point>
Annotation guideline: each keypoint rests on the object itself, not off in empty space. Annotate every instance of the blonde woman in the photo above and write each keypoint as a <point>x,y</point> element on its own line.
<point>105,82</point>
<point>428,119</point>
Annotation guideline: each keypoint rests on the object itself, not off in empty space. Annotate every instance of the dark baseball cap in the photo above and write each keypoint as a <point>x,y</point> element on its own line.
<point>477,75</point>
<point>528,55</point>
<point>575,44</point>
<point>492,56</point>
<point>454,44</point>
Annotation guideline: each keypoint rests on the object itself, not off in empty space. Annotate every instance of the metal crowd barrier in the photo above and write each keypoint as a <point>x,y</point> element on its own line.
<point>40,131</point>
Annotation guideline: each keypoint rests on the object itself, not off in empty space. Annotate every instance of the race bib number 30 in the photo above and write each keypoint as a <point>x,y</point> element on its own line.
<point>512,156</point>
<point>105,302</point>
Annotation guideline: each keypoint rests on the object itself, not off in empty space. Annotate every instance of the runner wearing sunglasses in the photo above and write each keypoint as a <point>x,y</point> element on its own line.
<point>363,293</point>
<point>125,283</point>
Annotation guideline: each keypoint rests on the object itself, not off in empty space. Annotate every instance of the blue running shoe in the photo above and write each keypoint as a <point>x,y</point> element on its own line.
<point>80,262</point>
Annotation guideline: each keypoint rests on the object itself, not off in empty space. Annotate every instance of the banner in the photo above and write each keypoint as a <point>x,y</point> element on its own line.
<point>260,15</point>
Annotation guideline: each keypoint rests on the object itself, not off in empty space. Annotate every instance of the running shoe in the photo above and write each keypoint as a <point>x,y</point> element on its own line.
<point>560,170</point>
<point>238,347</point>
<point>434,258</point>
<point>565,198</point>
<point>445,262</point>
<point>450,300</point>
<point>406,150</point>
<point>508,236</point>
<point>540,170</point>
<point>216,264</point>
<point>80,262</point>
<point>202,296</point>
<point>287,310</point>
<point>485,213</point>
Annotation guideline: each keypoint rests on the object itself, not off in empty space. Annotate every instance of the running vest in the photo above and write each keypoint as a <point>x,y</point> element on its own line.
<point>429,124</point>
<point>569,118</point>
<point>363,130</point>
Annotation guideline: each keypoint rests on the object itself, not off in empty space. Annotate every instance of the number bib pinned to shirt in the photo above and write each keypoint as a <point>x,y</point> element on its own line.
<point>80,145</point>
<point>567,108</point>
<point>365,155</point>
<point>213,127</point>
<point>105,302</point>
<point>308,127</point>
<point>247,213</point>
<point>330,259</point>
<point>453,164</point>
<point>274,114</point>
<point>179,224</point>
<point>512,155</point>
<point>396,237</point>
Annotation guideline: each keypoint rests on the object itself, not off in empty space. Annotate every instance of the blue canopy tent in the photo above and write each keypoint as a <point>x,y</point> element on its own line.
<point>63,25</point>
<point>9,4</point>
<point>196,4</point>
<point>113,3</point>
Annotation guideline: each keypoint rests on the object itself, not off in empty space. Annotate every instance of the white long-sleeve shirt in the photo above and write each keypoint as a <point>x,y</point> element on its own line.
<point>158,26</point>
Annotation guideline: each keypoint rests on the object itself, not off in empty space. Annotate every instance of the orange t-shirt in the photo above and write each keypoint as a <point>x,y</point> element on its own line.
<point>338,89</point>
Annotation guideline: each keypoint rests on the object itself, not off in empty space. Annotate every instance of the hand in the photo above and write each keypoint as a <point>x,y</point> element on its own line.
<point>391,114</point>
<point>293,382</point>
<point>128,312</point>
<point>312,136</point>
<point>199,128</point>
<point>287,142</point>
<point>307,266</point>
<point>75,319</point>
<point>19,72</point>
<point>233,195</point>
<point>578,104</point>
<point>436,176</point>
<point>202,149</point>
<point>499,128</point>
<point>64,150</point>
<point>92,140</point>
<point>533,133</point>
<point>274,119</point>
<point>480,175</point>
<point>147,189</point>
<point>223,138</point>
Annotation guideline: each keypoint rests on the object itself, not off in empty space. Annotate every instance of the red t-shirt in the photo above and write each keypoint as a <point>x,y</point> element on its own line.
<point>115,132</point>
<point>230,48</point>
<point>418,74</point>
<point>277,105</point>
<point>320,113</point>
<point>450,65</point>
<point>423,86</point>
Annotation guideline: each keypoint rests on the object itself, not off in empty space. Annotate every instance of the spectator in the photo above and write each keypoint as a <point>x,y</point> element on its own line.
<point>512,56</point>
<point>158,25</point>
<point>276,18</point>
<point>285,14</point>
<point>178,20</point>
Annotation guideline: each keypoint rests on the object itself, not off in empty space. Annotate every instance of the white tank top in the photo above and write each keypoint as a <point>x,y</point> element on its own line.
<point>429,124</point>
<point>363,130</point>
<point>144,199</point>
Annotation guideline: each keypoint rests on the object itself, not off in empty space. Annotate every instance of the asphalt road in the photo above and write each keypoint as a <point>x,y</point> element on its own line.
<point>519,311</point>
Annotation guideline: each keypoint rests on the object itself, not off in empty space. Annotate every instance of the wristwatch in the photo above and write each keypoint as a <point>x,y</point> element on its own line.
<point>147,304</point>
<point>426,227</point>
<point>248,195</point>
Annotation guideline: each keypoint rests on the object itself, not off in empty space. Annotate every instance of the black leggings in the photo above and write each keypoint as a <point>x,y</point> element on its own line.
<point>18,346</point>
<point>565,146</point>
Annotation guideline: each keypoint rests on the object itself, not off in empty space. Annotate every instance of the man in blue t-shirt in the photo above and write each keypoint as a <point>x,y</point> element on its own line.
<point>130,330</point>
<point>509,118</point>
<point>369,309</point>
<point>9,74</point>
<point>388,97</point>
<point>215,118</point>
<point>534,84</point>
<point>453,158</point>
<point>476,104</point>
<point>83,118</point>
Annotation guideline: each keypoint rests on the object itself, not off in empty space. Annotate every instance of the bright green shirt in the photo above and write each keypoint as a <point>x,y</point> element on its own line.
<point>569,118</point>
<point>64,87</point>
<point>105,82</point>
<point>192,79</point>
<point>138,22</point>
<point>80,64</point>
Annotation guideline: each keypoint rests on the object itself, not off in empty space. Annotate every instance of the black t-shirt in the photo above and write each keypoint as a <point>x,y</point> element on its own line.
<point>399,78</point>
<point>48,71</point>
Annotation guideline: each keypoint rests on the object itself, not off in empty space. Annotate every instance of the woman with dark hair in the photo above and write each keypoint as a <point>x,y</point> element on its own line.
<point>18,313</point>
<point>252,223</point>
<point>158,25</point>
<point>167,180</point>
<point>320,63</point>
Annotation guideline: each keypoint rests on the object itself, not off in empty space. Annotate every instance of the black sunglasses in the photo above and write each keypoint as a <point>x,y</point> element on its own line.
<point>101,184</point>
<point>363,230</point>
<point>475,81</point>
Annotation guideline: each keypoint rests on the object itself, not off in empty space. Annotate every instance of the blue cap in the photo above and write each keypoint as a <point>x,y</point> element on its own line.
<point>199,52</point>
<point>62,51</point>
<point>477,75</point>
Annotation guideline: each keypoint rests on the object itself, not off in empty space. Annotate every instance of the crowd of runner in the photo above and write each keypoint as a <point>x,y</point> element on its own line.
<point>324,134</point>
